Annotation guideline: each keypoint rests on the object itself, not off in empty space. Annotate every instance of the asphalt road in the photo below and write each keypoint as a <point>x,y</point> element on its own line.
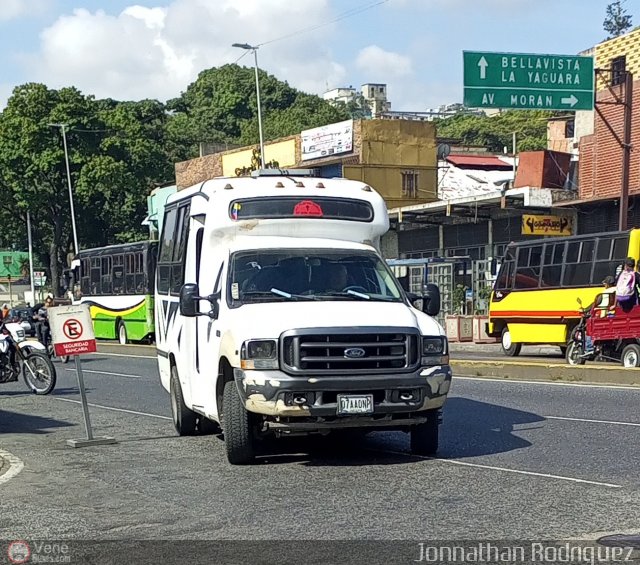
<point>518,461</point>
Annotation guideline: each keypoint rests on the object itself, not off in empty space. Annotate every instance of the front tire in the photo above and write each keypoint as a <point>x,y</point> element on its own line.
<point>425,437</point>
<point>184,419</point>
<point>121,332</point>
<point>574,355</point>
<point>238,427</point>
<point>38,372</point>
<point>509,348</point>
<point>630,356</point>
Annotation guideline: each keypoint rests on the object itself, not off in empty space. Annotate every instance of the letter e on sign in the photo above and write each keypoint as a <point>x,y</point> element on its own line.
<point>72,330</point>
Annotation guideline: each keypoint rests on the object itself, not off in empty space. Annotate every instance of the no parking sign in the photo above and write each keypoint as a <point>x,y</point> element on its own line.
<point>72,330</point>
<point>72,334</point>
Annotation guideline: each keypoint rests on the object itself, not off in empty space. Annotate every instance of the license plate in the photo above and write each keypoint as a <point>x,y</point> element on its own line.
<point>355,404</point>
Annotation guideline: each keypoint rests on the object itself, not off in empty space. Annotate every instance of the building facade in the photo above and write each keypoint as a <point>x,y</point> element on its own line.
<point>397,157</point>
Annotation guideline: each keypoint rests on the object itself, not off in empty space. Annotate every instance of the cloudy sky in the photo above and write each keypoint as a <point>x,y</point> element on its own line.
<point>155,48</point>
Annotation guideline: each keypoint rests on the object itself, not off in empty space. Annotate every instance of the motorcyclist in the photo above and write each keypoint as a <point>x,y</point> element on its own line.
<point>41,318</point>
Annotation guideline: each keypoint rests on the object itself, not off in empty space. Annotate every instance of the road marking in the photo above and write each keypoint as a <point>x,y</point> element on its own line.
<point>110,374</point>
<point>593,421</point>
<point>504,469</point>
<point>125,355</point>
<point>15,466</point>
<point>116,409</point>
<point>547,383</point>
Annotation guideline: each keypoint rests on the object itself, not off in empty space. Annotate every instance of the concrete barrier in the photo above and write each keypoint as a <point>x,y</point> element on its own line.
<point>515,370</point>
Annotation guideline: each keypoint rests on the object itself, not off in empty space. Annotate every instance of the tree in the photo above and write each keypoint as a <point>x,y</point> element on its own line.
<point>221,107</point>
<point>617,22</point>
<point>116,155</point>
<point>496,132</point>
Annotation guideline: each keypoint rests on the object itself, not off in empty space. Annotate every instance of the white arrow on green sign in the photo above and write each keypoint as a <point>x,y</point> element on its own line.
<point>528,81</point>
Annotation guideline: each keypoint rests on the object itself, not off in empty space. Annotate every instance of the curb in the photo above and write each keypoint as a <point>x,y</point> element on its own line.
<point>558,372</point>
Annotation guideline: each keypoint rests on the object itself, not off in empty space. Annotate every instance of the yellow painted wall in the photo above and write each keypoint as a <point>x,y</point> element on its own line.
<point>628,45</point>
<point>387,180</point>
<point>284,152</point>
<point>389,147</point>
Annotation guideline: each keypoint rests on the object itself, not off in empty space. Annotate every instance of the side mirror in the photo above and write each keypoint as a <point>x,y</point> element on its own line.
<point>431,300</point>
<point>579,302</point>
<point>189,299</point>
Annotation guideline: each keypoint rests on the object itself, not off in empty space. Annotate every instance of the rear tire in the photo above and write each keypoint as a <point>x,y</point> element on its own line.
<point>630,356</point>
<point>574,354</point>
<point>184,419</point>
<point>425,437</point>
<point>238,427</point>
<point>43,379</point>
<point>121,333</point>
<point>509,348</point>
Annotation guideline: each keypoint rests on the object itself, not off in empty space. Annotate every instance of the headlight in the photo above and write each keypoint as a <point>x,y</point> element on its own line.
<point>435,350</point>
<point>259,354</point>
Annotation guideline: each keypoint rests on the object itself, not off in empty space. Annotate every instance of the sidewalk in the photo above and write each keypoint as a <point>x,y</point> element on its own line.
<point>496,349</point>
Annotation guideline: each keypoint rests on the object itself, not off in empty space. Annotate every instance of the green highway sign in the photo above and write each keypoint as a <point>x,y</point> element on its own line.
<point>527,81</point>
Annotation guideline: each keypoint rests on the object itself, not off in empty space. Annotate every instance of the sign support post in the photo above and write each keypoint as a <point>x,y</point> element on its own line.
<point>72,334</point>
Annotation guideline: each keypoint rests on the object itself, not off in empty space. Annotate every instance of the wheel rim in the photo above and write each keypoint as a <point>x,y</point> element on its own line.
<point>631,359</point>
<point>506,340</point>
<point>574,354</point>
<point>122,334</point>
<point>40,375</point>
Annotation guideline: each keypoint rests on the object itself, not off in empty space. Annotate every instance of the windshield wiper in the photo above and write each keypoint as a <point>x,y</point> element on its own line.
<point>289,295</point>
<point>347,293</point>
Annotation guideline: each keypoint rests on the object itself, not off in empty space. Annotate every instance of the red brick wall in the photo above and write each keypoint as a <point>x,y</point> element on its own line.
<point>600,167</point>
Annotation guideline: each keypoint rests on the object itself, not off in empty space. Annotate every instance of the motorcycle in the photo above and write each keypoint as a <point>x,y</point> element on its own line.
<point>29,358</point>
<point>579,350</point>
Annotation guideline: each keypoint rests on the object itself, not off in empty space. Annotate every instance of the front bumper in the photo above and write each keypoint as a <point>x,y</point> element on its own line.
<point>273,393</point>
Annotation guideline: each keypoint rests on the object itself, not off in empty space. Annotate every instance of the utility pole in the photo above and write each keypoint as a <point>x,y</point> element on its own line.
<point>63,127</point>
<point>33,288</point>
<point>626,147</point>
<point>253,48</point>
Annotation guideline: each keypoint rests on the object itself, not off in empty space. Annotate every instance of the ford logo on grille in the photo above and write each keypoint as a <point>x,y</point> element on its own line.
<point>354,353</point>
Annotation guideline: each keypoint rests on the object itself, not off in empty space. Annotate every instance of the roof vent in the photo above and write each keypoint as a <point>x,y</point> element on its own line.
<point>366,188</point>
<point>279,185</point>
<point>228,187</point>
<point>299,184</point>
<point>319,185</point>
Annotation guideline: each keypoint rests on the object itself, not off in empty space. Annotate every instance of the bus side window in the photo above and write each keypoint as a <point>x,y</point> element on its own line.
<point>504,280</point>
<point>165,253</point>
<point>96,271</point>
<point>180,245</point>
<point>118,274</point>
<point>106,285</point>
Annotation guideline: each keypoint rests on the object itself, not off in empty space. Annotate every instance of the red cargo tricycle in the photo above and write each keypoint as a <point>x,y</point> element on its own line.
<point>606,332</point>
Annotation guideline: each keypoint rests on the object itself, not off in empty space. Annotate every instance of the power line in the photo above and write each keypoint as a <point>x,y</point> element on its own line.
<point>340,17</point>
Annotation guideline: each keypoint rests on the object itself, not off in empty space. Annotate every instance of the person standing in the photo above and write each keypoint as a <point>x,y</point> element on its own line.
<point>627,285</point>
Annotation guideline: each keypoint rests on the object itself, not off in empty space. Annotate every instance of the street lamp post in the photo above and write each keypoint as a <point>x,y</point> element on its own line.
<point>66,159</point>
<point>248,47</point>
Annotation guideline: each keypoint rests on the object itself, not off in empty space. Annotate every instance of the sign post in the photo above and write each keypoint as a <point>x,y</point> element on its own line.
<point>528,81</point>
<point>72,334</point>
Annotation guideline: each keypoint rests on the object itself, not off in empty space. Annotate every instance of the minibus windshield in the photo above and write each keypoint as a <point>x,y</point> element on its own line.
<point>310,274</point>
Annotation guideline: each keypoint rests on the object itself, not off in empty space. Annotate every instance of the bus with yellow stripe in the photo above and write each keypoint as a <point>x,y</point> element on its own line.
<point>117,282</point>
<point>534,299</point>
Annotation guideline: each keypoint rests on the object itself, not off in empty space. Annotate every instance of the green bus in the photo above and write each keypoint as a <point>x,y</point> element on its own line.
<point>118,283</point>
